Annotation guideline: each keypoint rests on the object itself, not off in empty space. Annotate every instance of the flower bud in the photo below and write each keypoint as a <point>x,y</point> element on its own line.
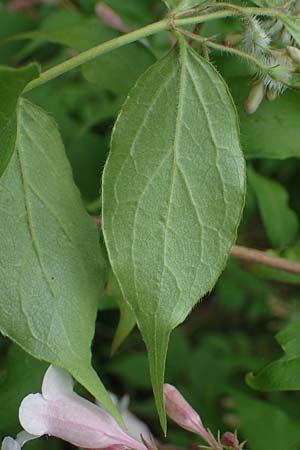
<point>271,94</point>
<point>233,39</point>
<point>294,53</point>
<point>254,98</point>
<point>179,410</point>
<point>228,439</point>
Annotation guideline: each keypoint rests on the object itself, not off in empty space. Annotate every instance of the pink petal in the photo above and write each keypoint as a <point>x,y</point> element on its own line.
<point>66,415</point>
<point>9,443</point>
<point>57,383</point>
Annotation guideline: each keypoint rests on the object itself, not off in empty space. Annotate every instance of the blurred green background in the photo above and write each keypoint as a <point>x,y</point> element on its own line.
<point>231,332</point>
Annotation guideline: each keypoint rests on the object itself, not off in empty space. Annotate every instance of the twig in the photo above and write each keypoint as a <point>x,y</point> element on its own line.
<point>263,258</point>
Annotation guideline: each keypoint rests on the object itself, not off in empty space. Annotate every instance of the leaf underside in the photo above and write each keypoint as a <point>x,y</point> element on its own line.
<point>12,83</point>
<point>50,267</point>
<point>173,192</point>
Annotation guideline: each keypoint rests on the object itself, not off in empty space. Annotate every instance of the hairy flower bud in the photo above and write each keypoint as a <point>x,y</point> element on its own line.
<point>256,38</point>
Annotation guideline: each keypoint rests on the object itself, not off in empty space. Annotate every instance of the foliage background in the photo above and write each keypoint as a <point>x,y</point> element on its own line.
<point>230,332</point>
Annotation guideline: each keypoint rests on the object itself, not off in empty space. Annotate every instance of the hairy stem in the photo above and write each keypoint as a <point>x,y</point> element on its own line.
<point>120,41</point>
<point>223,48</point>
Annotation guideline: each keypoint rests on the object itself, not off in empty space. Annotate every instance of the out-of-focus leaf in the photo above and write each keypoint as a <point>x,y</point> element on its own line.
<point>127,320</point>
<point>10,24</point>
<point>49,302</point>
<point>175,169</point>
<point>12,84</point>
<point>132,369</point>
<point>265,426</point>
<point>273,130</point>
<point>284,373</point>
<point>292,23</point>
<point>280,221</point>
<point>23,375</point>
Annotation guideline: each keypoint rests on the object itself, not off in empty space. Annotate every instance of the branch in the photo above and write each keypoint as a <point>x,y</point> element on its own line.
<point>263,258</point>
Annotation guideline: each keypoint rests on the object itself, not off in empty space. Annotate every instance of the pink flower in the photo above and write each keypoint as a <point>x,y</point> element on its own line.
<point>60,412</point>
<point>179,410</point>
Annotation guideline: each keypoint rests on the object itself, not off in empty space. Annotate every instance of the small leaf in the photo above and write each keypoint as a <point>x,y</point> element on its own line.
<point>127,319</point>
<point>12,83</point>
<point>49,301</point>
<point>173,192</point>
<point>280,221</point>
<point>292,24</point>
<point>284,373</point>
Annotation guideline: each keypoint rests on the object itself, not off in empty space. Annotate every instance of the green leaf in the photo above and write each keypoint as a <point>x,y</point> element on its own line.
<point>12,83</point>
<point>262,424</point>
<point>22,376</point>
<point>48,303</point>
<point>273,131</point>
<point>292,24</point>
<point>280,221</point>
<point>284,373</point>
<point>127,319</point>
<point>173,192</point>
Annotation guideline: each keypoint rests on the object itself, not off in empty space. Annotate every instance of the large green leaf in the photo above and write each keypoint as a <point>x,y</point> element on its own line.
<point>280,221</point>
<point>273,131</point>
<point>48,302</point>
<point>173,192</point>
<point>284,373</point>
<point>12,83</point>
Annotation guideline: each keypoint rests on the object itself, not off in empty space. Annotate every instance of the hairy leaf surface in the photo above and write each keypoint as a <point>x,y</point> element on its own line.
<point>173,191</point>
<point>12,83</point>
<point>50,266</point>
